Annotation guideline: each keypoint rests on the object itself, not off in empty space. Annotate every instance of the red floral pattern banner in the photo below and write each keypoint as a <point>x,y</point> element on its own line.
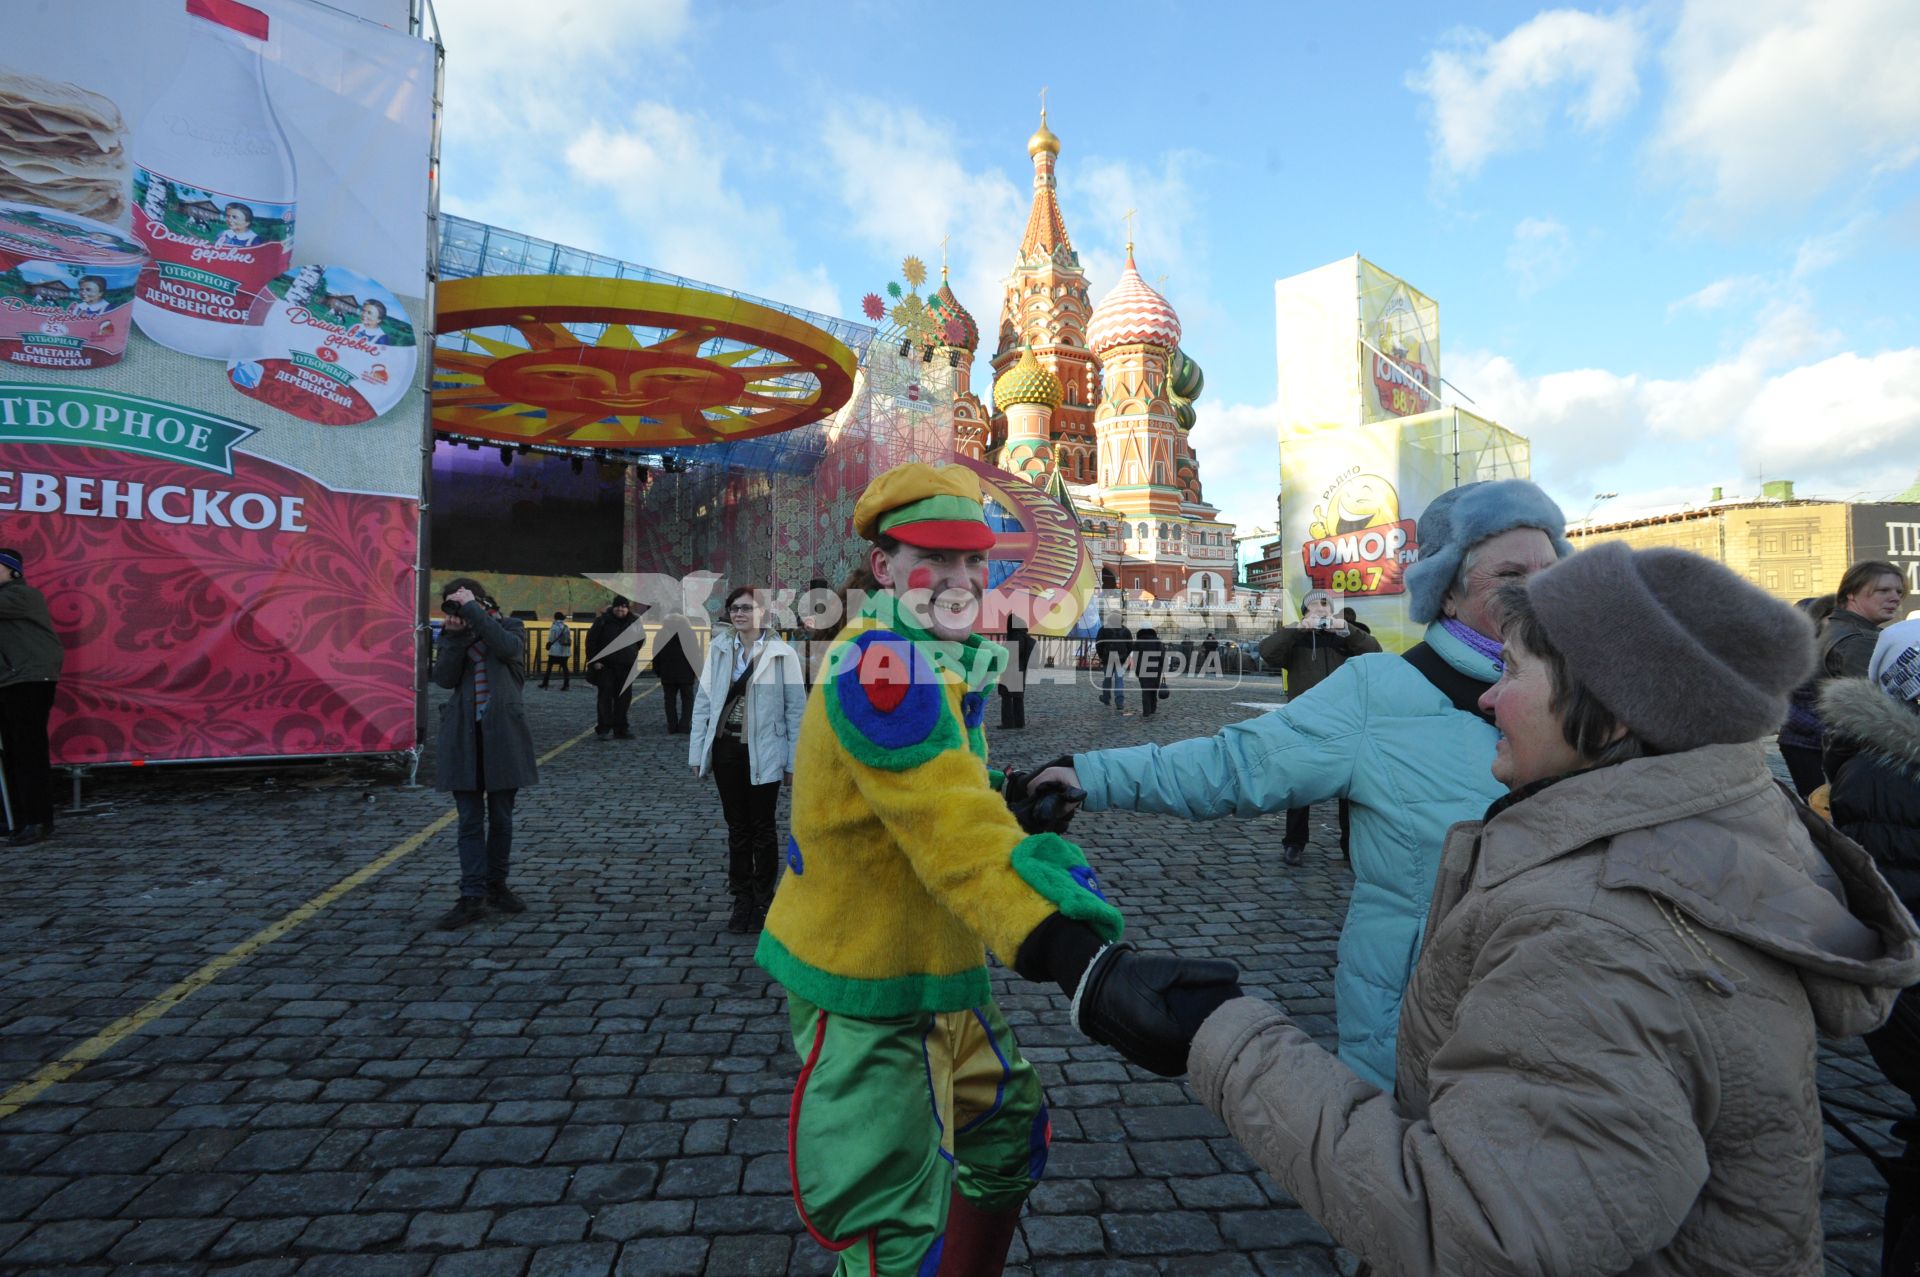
<point>207,642</point>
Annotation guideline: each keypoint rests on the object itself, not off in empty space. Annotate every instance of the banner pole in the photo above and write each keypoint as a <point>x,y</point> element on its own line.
<point>423,538</point>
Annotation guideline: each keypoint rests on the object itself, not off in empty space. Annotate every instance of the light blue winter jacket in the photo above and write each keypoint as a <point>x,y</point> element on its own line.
<point>1379,734</point>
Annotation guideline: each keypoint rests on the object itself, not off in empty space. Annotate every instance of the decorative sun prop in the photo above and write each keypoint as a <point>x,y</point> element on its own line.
<point>872,307</point>
<point>670,366</point>
<point>914,271</point>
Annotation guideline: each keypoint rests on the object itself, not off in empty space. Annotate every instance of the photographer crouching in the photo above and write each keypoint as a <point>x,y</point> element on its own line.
<point>485,752</point>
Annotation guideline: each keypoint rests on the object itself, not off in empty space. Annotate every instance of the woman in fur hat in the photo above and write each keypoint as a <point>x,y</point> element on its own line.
<point>1607,1049</point>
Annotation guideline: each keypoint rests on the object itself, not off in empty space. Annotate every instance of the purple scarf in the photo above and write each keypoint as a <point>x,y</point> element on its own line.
<point>1489,648</point>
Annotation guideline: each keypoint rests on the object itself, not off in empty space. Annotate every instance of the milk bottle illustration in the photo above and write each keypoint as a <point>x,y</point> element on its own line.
<point>213,187</point>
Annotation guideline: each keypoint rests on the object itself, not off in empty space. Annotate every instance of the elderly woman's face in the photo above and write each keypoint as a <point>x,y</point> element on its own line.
<point>1506,559</point>
<point>1532,745</point>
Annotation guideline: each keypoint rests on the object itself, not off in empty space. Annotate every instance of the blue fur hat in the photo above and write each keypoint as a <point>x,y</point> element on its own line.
<point>1461,518</point>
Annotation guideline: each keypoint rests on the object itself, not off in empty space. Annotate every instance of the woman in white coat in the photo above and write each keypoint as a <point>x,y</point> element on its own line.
<point>746,724</point>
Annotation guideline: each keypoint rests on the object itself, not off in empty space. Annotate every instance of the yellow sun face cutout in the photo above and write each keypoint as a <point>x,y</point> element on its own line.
<point>672,367</point>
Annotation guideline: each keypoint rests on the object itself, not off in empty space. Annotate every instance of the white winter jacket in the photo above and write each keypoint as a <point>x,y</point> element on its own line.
<point>776,697</point>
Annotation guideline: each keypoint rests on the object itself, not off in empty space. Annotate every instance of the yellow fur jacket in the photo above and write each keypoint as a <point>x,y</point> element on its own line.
<point>904,865</point>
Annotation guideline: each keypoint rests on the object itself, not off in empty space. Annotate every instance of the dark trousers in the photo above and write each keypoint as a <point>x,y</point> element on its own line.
<point>24,711</point>
<point>1804,766</point>
<point>752,821</point>
<point>1896,1049</point>
<point>679,702</point>
<point>610,703</point>
<point>1149,698</point>
<point>486,830</point>
<point>566,672</point>
<point>1296,835</point>
<point>1013,710</point>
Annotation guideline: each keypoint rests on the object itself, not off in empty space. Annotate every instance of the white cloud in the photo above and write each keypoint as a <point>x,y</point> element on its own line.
<point>1852,420</point>
<point>1238,447</point>
<point>1492,96</point>
<point>515,69</point>
<point>1776,100</point>
<point>1782,405</point>
<point>903,187</point>
<point>666,171</point>
<point>1817,252</point>
<point>1719,293</point>
<point>1539,253</point>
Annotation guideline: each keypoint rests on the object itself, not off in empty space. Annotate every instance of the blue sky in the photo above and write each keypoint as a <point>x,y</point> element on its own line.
<point>1677,246</point>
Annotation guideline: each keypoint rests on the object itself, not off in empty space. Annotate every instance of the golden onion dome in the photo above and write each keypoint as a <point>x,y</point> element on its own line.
<point>1043,138</point>
<point>1027,382</point>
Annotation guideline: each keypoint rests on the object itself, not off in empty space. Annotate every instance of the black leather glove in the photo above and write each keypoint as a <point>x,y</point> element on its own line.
<point>1148,1006</point>
<point>1048,810</point>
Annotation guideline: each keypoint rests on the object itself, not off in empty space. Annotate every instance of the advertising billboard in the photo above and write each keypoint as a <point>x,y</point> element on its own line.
<point>213,278</point>
<point>1891,531</point>
<point>1400,346</point>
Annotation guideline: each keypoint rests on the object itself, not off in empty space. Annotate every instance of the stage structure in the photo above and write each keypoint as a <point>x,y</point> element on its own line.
<point>1365,441</point>
<point>741,431</point>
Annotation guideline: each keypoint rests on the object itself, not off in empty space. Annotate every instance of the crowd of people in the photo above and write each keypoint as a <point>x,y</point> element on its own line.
<point>1591,943</point>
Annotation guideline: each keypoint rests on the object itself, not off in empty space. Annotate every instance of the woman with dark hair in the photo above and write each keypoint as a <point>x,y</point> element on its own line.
<point>1868,598</point>
<point>746,725</point>
<point>1606,1058</point>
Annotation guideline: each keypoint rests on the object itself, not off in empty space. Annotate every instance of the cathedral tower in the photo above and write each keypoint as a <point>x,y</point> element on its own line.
<point>1136,335</point>
<point>1046,308</point>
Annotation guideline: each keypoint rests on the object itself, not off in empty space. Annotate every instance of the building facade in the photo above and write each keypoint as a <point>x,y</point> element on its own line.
<point>1792,549</point>
<point>1094,403</point>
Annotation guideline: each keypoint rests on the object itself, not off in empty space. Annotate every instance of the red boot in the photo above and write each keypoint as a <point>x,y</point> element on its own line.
<point>977,1240</point>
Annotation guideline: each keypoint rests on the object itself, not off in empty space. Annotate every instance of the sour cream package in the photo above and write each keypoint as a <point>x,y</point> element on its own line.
<point>66,283</point>
<point>330,346</point>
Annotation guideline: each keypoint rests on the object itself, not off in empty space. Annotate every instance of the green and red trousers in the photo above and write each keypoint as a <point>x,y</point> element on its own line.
<point>891,1116</point>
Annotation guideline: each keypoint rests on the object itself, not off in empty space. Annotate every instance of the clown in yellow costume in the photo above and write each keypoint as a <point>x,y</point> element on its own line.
<point>917,1129</point>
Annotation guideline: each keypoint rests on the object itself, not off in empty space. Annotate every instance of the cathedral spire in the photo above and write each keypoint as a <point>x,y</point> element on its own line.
<point>1046,231</point>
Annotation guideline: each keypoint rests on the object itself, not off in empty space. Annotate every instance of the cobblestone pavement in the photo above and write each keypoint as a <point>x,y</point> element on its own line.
<point>599,1085</point>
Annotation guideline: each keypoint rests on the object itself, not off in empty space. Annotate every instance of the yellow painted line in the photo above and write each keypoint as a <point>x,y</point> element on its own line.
<point>24,1093</point>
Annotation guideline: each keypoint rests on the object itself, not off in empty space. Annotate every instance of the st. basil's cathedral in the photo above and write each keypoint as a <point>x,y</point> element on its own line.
<point>1094,404</point>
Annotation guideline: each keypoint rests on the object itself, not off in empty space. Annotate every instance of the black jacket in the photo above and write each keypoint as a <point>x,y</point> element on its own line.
<point>1020,644</point>
<point>605,630</point>
<point>1308,656</point>
<point>673,653</point>
<point>1149,659</point>
<point>1112,644</point>
<point>1873,764</point>
<point>1846,645</point>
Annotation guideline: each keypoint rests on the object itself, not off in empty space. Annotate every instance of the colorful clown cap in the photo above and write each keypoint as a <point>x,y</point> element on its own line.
<point>936,508</point>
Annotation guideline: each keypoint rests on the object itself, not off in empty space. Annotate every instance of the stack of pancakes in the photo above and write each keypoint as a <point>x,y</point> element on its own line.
<point>61,147</point>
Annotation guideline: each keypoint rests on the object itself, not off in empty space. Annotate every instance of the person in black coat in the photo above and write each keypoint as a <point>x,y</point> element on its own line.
<point>611,653</point>
<point>484,753</point>
<point>1150,667</point>
<point>1873,758</point>
<point>1112,645</point>
<point>1013,683</point>
<point>1869,597</point>
<point>676,658</point>
<point>1309,651</point>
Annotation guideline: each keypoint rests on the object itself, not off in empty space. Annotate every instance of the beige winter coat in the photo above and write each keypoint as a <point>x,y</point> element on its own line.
<point>1606,1053</point>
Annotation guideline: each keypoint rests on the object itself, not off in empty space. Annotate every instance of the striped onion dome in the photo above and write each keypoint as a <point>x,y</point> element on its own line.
<point>1027,382</point>
<point>1132,314</point>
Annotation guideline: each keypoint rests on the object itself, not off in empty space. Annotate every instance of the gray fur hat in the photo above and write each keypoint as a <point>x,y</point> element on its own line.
<point>1459,519</point>
<point>1684,651</point>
